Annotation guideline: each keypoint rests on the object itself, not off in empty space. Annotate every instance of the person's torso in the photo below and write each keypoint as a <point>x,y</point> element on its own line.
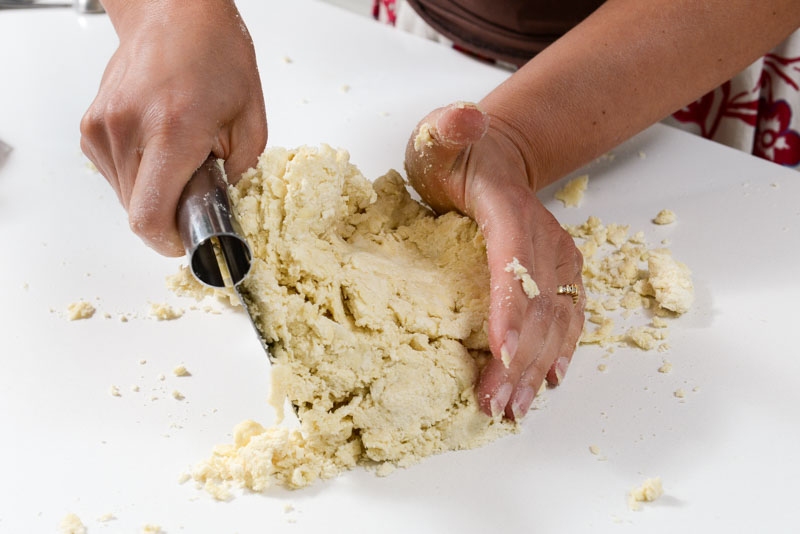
<point>508,30</point>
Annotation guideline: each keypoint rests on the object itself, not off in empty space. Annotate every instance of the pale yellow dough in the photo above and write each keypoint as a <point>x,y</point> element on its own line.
<point>71,524</point>
<point>650,490</point>
<point>376,312</point>
<point>665,216</point>
<point>571,194</point>
<point>164,312</point>
<point>80,310</point>
<point>521,273</point>
<point>621,271</point>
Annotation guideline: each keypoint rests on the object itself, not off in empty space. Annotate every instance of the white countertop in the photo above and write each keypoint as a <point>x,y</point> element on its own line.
<point>726,452</point>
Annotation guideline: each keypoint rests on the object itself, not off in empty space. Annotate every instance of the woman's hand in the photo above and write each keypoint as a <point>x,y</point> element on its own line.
<point>462,159</point>
<point>183,83</point>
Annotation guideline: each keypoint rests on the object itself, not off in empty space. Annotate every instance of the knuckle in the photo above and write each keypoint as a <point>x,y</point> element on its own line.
<point>91,123</point>
<point>143,222</point>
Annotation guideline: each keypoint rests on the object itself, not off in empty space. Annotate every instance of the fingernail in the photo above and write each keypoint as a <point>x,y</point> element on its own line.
<point>509,348</point>
<point>561,368</point>
<point>522,402</point>
<point>500,399</point>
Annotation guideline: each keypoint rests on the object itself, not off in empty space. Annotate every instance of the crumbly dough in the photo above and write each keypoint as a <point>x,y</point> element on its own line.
<point>671,280</point>
<point>164,312</point>
<point>80,310</point>
<point>424,137</point>
<point>665,216</point>
<point>666,367</point>
<point>620,271</point>
<point>572,192</point>
<point>521,273</point>
<point>181,370</point>
<point>71,524</point>
<point>650,490</point>
<point>376,314</point>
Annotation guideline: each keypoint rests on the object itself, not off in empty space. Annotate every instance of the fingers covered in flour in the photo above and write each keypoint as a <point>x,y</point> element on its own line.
<point>530,323</point>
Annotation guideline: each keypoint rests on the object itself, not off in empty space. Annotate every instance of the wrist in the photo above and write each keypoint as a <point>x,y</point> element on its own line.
<point>128,16</point>
<point>517,129</point>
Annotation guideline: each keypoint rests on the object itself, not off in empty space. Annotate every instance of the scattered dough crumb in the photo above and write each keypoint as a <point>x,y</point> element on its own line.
<point>601,367</point>
<point>594,449</point>
<point>177,395</point>
<point>679,393</point>
<point>164,312</point>
<point>572,192</point>
<point>135,388</point>
<point>114,391</point>
<point>71,524</point>
<point>181,370</point>
<point>151,529</point>
<point>665,216</point>
<point>344,88</point>
<point>645,337</point>
<point>521,273</point>
<point>649,491</point>
<point>80,310</point>
<point>666,367</point>
<point>106,517</point>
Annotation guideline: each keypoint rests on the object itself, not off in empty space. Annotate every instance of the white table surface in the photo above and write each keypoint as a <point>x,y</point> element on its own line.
<point>727,452</point>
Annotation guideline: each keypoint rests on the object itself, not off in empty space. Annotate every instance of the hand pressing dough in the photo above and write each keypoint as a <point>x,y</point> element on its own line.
<point>376,314</point>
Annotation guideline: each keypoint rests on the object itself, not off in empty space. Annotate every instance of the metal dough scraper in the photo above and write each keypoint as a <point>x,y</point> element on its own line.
<point>219,256</point>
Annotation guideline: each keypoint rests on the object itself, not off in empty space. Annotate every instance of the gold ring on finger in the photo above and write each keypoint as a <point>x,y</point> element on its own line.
<point>569,289</point>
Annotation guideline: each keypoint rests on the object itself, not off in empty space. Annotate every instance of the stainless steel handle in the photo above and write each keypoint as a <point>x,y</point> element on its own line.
<point>218,254</point>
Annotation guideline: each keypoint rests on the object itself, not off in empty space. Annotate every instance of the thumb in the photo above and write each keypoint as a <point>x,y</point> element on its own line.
<point>437,146</point>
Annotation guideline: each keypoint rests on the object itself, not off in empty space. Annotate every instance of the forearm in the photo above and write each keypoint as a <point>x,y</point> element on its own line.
<point>626,67</point>
<point>126,15</point>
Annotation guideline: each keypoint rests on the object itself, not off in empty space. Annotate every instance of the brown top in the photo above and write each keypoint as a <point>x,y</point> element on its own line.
<point>507,30</point>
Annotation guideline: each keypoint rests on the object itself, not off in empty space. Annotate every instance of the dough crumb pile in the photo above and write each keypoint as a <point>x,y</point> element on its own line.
<point>376,314</point>
<point>621,273</point>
